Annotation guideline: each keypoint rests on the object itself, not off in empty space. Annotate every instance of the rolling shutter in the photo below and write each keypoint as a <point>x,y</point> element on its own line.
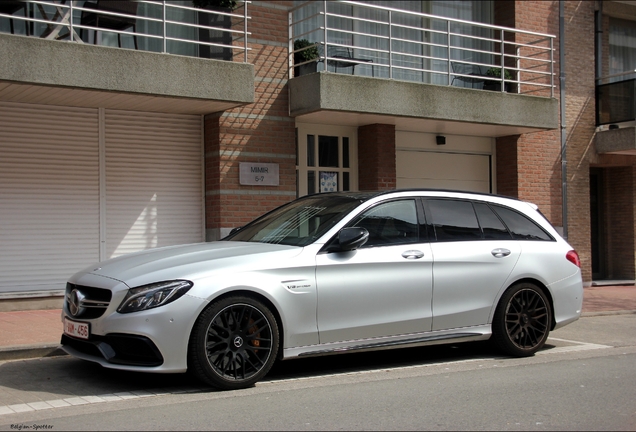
<point>49,195</point>
<point>154,187</point>
<point>50,189</point>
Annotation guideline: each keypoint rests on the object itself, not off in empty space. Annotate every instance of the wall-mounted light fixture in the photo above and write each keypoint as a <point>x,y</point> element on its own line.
<point>440,139</point>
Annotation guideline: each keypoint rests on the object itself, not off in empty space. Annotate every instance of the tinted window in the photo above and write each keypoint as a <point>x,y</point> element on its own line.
<point>300,222</point>
<point>454,220</point>
<point>491,225</point>
<point>390,223</point>
<point>520,226</point>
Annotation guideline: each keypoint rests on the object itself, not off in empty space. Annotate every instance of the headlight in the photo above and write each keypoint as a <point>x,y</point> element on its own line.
<point>153,295</point>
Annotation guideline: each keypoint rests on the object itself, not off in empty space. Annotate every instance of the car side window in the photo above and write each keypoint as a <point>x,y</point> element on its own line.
<point>491,225</point>
<point>454,220</point>
<point>520,226</point>
<point>390,223</point>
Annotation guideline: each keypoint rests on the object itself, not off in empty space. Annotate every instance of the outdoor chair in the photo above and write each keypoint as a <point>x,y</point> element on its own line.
<point>475,80</point>
<point>112,22</point>
<point>10,7</point>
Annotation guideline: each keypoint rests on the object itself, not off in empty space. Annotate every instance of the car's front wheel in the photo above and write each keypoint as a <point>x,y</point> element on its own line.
<point>522,320</point>
<point>233,343</point>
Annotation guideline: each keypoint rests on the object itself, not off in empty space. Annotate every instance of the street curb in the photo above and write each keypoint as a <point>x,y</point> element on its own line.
<point>19,352</point>
<point>604,313</point>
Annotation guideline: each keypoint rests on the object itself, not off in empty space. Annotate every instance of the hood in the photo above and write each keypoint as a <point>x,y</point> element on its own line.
<point>188,261</point>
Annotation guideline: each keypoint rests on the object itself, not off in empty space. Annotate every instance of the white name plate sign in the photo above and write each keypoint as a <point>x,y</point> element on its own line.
<point>258,174</point>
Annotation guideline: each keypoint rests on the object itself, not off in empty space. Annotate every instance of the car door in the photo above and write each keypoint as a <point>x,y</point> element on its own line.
<point>383,288</point>
<point>471,261</point>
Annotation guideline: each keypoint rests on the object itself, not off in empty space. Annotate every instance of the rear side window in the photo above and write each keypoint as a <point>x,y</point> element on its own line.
<point>454,220</point>
<point>520,226</point>
<point>491,225</point>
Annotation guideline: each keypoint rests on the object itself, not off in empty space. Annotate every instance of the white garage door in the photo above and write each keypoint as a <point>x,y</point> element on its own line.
<point>154,190</point>
<point>456,171</point>
<point>461,163</point>
<point>53,219</point>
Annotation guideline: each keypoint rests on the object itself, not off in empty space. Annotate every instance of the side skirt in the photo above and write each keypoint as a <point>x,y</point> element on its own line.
<point>468,335</point>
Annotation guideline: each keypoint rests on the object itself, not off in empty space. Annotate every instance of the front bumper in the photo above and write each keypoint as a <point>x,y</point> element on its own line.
<point>154,340</point>
<point>116,349</point>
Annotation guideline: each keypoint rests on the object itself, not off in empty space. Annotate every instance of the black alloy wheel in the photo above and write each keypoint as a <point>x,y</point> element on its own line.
<point>522,320</point>
<point>234,343</point>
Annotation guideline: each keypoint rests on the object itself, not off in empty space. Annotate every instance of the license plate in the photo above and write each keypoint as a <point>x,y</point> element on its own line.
<point>76,329</point>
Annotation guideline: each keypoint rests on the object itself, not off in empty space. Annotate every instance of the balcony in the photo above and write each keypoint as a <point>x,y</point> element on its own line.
<point>148,55</point>
<point>615,102</point>
<point>616,107</point>
<point>380,64</point>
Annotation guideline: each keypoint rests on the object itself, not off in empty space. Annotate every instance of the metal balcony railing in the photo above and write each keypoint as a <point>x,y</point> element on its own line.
<point>174,27</point>
<point>370,40</point>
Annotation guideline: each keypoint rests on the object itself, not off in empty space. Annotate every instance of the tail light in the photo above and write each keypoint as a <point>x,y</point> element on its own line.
<point>573,257</point>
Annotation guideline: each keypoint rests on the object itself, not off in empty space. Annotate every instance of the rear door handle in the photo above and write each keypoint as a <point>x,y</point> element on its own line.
<point>413,254</point>
<point>500,252</point>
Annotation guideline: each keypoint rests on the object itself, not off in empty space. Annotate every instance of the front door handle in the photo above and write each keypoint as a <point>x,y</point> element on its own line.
<point>413,254</point>
<point>500,252</point>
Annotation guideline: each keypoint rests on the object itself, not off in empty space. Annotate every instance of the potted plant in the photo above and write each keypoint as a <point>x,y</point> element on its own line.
<point>495,72</point>
<point>222,22</point>
<point>305,51</point>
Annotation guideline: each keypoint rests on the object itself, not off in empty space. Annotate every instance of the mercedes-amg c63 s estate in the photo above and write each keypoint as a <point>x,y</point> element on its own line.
<point>330,273</point>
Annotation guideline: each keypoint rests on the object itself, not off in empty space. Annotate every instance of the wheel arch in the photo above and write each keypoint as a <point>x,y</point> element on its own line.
<point>256,296</point>
<point>539,285</point>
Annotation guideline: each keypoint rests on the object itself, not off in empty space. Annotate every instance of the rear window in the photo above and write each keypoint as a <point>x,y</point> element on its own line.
<point>520,226</point>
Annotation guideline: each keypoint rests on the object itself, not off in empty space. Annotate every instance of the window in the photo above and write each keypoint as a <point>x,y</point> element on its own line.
<point>491,226</point>
<point>390,223</point>
<point>520,226</point>
<point>622,48</point>
<point>454,220</point>
<point>326,159</point>
<point>300,222</point>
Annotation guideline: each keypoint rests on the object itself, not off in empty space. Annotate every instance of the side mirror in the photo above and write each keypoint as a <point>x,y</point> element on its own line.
<point>352,238</point>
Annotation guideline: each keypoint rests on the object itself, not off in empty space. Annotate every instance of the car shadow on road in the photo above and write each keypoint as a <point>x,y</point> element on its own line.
<point>65,377</point>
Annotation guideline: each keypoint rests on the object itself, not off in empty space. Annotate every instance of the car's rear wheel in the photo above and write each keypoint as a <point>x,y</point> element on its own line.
<point>233,343</point>
<point>522,320</point>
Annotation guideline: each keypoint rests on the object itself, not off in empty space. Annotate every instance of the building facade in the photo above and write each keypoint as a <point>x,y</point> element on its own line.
<point>131,125</point>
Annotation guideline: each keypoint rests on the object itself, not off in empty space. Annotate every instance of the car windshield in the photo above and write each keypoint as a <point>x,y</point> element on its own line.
<point>300,222</point>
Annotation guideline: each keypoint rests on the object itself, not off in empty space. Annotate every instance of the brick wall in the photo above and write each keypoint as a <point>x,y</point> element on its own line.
<point>529,165</point>
<point>619,222</point>
<point>376,157</point>
<point>506,166</point>
<point>580,123</point>
<point>260,132</point>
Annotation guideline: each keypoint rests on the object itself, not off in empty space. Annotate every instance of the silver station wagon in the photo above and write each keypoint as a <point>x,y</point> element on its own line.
<point>330,273</point>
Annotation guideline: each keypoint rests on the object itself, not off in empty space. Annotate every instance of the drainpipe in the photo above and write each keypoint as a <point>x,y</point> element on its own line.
<point>564,172</point>
<point>598,30</point>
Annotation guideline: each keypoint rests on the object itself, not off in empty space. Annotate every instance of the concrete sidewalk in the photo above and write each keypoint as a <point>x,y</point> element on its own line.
<point>37,333</point>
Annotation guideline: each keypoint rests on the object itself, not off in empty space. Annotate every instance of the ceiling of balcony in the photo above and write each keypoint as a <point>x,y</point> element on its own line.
<point>414,124</point>
<point>62,96</point>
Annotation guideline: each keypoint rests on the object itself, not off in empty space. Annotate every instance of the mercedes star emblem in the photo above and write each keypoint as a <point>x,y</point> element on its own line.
<point>75,302</point>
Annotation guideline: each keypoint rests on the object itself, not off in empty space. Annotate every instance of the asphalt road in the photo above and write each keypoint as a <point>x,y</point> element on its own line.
<point>585,379</point>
